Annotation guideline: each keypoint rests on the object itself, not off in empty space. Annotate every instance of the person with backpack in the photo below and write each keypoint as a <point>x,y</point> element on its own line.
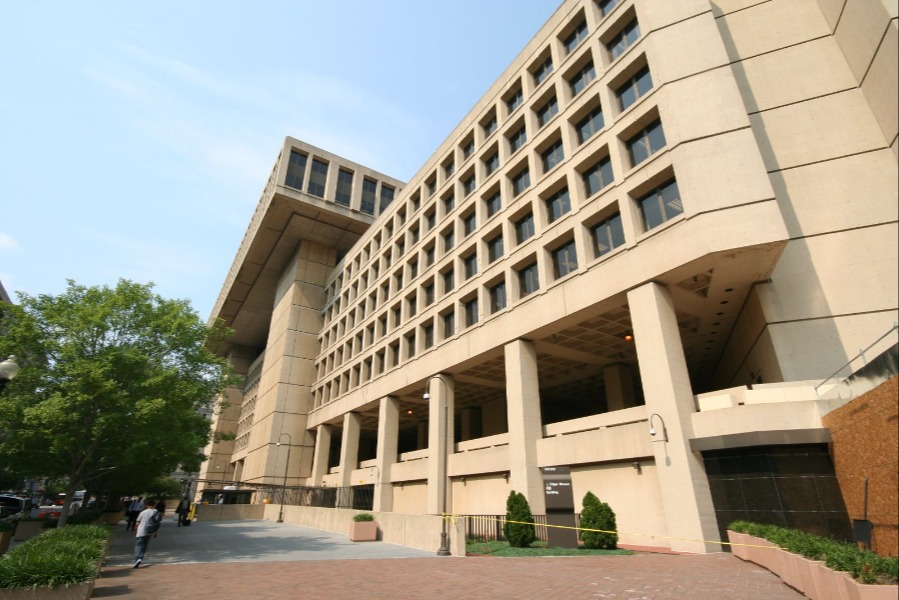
<point>147,525</point>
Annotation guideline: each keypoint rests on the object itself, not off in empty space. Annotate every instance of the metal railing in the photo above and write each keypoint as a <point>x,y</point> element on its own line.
<point>488,528</point>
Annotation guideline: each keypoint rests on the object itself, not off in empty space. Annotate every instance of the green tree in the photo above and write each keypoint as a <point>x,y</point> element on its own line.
<point>111,383</point>
<point>596,514</point>
<point>519,527</point>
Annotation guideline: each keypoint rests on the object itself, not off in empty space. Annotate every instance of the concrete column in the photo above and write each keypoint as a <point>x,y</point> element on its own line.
<point>619,385</point>
<point>440,443</point>
<point>388,439</point>
<point>349,447</point>
<point>322,451</point>
<point>525,426</point>
<point>684,487</point>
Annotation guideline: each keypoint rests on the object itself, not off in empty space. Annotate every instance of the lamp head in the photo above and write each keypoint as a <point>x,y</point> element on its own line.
<point>652,431</point>
<point>426,396</point>
<point>9,368</point>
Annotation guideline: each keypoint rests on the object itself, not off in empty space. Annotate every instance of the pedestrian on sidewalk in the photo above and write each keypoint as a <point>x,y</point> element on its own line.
<point>137,505</point>
<point>147,525</point>
<point>182,510</point>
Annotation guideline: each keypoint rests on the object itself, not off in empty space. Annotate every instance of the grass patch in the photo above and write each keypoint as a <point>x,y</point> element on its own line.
<point>537,549</point>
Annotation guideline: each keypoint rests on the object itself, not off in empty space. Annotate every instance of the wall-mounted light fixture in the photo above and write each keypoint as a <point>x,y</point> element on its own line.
<point>636,465</point>
<point>629,336</point>
<point>506,476</point>
<point>652,430</point>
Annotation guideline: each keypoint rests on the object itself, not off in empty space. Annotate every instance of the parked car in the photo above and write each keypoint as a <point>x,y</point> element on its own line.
<point>11,505</point>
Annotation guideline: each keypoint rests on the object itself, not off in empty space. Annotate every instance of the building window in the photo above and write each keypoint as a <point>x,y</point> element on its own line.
<point>575,37</point>
<point>413,269</point>
<point>607,235</point>
<point>558,204</point>
<point>317,178</point>
<point>489,126</point>
<point>498,297</point>
<point>624,39</point>
<point>431,184</point>
<point>660,205</point>
<point>470,263</point>
<point>524,228</point>
<point>449,281</point>
<point>518,139</point>
<point>413,234</point>
<point>470,223</point>
<point>449,203</point>
<point>547,111</point>
<point>296,170</point>
<point>582,78</point>
<point>552,156</point>
<point>565,259</point>
<point>528,281</point>
<point>449,240</point>
<point>387,194</point>
<point>431,220</point>
<point>598,176</point>
<point>468,185</point>
<point>646,143</point>
<point>606,6</point>
<point>428,334</point>
<point>495,248</point>
<point>634,88</point>
<point>413,305</point>
<point>449,324</point>
<point>410,345</point>
<point>397,316</point>
<point>590,124</point>
<point>494,203</point>
<point>367,205</point>
<point>515,100</point>
<point>471,312</point>
<point>344,187</point>
<point>429,294</point>
<point>449,168</point>
<point>491,163</point>
<point>521,181</point>
<point>543,71</point>
<point>468,148</point>
<point>429,256</point>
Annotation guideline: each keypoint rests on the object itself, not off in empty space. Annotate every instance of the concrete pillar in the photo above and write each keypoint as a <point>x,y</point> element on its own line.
<point>388,440</point>
<point>683,483</point>
<point>525,426</point>
<point>322,452</point>
<point>619,385</point>
<point>349,447</point>
<point>441,444</point>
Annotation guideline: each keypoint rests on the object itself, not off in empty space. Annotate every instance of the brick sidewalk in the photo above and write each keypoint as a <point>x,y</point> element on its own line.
<point>639,577</point>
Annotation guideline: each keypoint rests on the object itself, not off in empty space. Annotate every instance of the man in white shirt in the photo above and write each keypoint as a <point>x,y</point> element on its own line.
<point>143,532</point>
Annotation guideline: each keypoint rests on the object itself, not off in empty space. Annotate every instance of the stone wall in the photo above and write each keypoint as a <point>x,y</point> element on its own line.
<point>866,444</point>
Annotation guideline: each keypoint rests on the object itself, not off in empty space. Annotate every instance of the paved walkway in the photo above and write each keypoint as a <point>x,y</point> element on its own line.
<point>257,560</point>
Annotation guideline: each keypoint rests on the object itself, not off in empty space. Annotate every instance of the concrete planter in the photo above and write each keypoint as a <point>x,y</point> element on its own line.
<point>5,539</point>
<point>25,530</point>
<point>112,518</point>
<point>737,541</point>
<point>363,531</point>
<point>81,591</point>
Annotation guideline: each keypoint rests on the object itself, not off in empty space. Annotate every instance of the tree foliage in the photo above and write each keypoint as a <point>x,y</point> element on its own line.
<point>519,527</point>
<point>596,514</point>
<point>111,383</point>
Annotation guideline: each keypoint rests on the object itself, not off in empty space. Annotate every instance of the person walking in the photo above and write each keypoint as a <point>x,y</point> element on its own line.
<point>147,525</point>
<point>137,505</point>
<point>182,510</point>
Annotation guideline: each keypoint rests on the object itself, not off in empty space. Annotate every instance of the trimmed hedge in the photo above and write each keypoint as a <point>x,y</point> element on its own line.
<point>519,526</point>
<point>863,565</point>
<point>66,556</point>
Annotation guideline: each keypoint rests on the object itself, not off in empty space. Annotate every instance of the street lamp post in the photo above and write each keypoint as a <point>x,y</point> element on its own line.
<point>286,467</point>
<point>444,540</point>
<point>9,368</point>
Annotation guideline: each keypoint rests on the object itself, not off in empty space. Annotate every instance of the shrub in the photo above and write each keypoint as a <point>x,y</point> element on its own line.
<point>85,517</point>
<point>519,527</point>
<point>67,556</point>
<point>861,564</point>
<point>363,517</point>
<point>598,515</point>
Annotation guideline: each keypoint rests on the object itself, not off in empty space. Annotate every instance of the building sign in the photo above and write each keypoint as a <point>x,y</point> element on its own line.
<point>559,499</point>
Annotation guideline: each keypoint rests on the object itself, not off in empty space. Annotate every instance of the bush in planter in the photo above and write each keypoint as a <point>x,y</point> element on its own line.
<point>862,565</point>
<point>519,527</point>
<point>362,517</point>
<point>596,514</point>
<point>67,556</point>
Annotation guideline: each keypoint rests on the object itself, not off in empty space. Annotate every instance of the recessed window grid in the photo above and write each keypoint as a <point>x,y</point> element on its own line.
<point>543,71</point>
<point>518,139</point>
<point>624,39</point>
<point>471,312</point>
<point>344,187</point>
<point>646,143</point>
<point>577,36</point>
<point>470,264</point>
<point>598,176</point>
<point>387,195</point>
<point>491,163</point>
<point>449,281</point>
<point>317,178</point>
<point>515,100</point>
<point>564,259</point>
<point>427,333</point>
<point>470,223</point>
<point>552,155</point>
<point>468,149</point>
<point>495,248</point>
<point>494,204</point>
<point>547,111</point>
<point>449,324</point>
<point>607,235</point>
<point>524,228</point>
<point>498,297</point>
<point>449,203</point>
<point>590,124</point>
<point>521,181</point>
<point>528,280</point>
<point>661,204</point>
<point>449,168</point>
<point>449,240</point>
<point>606,6</point>
<point>582,78</point>
<point>634,88</point>
<point>558,205</point>
<point>489,126</point>
<point>468,185</point>
<point>296,170</point>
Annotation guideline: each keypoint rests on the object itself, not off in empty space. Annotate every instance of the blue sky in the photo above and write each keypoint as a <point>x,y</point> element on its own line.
<point>136,137</point>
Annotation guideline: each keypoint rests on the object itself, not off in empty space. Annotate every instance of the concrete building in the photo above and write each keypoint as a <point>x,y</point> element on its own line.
<point>677,216</point>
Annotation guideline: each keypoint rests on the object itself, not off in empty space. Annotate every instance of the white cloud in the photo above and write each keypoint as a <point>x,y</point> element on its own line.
<point>8,243</point>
